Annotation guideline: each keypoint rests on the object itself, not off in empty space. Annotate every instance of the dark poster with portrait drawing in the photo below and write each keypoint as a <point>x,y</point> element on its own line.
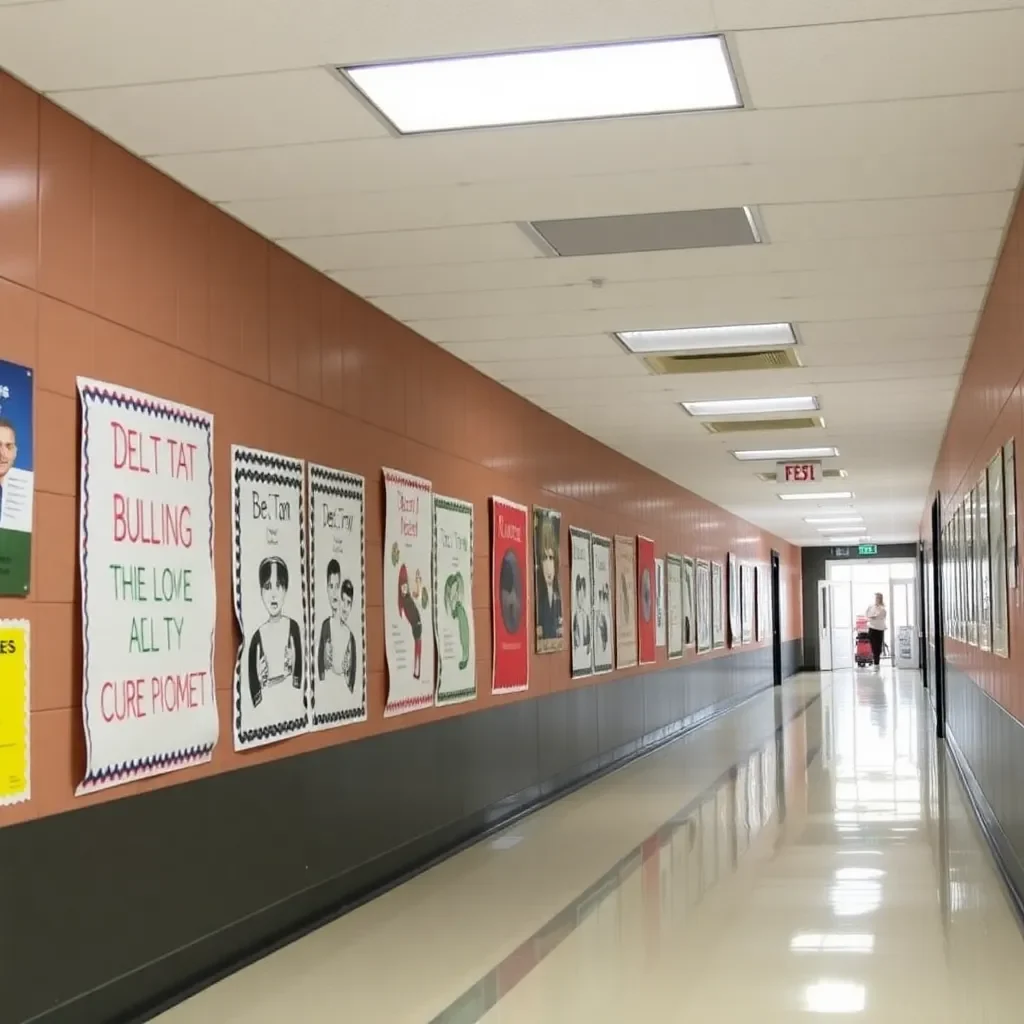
<point>547,587</point>
<point>337,592</point>
<point>509,601</point>
<point>271,693</point>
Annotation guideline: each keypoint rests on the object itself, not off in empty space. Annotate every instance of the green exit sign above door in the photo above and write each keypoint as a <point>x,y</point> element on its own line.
<point>867,549</point>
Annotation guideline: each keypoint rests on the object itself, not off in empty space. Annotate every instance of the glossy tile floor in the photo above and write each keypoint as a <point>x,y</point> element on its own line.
<point>807,854</point>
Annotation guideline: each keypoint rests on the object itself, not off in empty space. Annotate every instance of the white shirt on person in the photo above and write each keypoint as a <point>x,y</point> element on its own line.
<point>877,616</point>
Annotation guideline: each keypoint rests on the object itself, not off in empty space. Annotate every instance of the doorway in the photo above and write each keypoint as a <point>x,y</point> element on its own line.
<point>937,640</point>
<point>776,599</point>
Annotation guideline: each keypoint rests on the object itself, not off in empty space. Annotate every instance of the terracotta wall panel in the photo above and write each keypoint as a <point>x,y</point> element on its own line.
<point>118,273</point>
<point>988,411</point>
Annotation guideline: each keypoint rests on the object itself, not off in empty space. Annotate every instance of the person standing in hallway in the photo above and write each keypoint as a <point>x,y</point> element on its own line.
<point>877,616</point>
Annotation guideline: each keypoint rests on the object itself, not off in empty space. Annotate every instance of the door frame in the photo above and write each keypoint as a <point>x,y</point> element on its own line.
<point>922,615</point>
<point>776,600</point>
<point>938,617</point>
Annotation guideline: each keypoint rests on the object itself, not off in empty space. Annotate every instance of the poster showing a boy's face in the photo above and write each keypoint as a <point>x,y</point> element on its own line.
<point>8,448</point>
<point>273,575</point>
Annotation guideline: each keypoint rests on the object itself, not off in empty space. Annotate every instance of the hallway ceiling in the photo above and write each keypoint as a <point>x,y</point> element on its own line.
<point>879,148</point>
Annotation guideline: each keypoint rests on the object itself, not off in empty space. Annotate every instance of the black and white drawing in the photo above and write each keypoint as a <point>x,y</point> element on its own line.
<point>604,619</point>
<point>269,575</point>
<point>659,602</point>
<point>582,603</point>
<point>717,606</point>
<point>674,613</point>
<point>338,597</point>
<point>689,604</point>
<point>702,587</point>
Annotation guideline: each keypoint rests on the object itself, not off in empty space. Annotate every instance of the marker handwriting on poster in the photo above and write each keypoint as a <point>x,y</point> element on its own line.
<point>409,511</point>
<point>452,541</point>
<point>160,592</point>
<point>509,531</point>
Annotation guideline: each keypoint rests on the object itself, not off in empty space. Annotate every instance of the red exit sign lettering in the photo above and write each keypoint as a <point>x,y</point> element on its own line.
<point>798,472</point>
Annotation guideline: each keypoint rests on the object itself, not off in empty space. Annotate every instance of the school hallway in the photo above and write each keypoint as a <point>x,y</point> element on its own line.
<point>810,852</point>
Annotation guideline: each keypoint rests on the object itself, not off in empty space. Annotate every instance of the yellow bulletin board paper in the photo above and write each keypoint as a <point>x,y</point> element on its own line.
<point>14,711</point>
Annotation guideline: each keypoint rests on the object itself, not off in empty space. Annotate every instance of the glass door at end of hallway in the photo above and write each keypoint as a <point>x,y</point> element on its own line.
<point>835,625</point>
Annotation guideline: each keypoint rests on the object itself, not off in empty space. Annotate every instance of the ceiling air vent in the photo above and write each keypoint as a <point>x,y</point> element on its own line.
<point>829,474</point>
<point>753,426</point>
<point>648,232</point>
<point>724,362</point>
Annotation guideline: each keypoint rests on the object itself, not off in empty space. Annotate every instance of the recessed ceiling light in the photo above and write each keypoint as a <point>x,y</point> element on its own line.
<point>784,454</point>
<point>851,527</point>
<point>848,540</point>
<point>816,495</point>
<point>742,406</point>
<point>536,86</point>
<point>837,520</point>
<point>706,339</point>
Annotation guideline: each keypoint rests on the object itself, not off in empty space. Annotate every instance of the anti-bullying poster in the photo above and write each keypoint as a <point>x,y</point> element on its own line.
<point>148,588</point>
<point>14,711</point>
<point>337,595</point>
<point>408,589</point>
<point>625,602</point>
<point>509,605</point>
<point>604,625</point>
<point>582,603</point>
<point>268,536</point>
<point>646,588</point>
<point>453,601</point>
<point>16,477</point>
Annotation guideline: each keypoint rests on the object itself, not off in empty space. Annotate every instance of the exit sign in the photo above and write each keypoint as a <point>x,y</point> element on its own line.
<point>798,472</point>
<point>867,549</point>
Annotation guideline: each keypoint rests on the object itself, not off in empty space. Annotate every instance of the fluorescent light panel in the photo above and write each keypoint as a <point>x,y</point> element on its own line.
<point>816,495</point>
<point>858,539</point>
<point>744,406</point>
<point>537,86</point>
<point>709,339</point>
<point>835,520</point>
<point>784,454</point>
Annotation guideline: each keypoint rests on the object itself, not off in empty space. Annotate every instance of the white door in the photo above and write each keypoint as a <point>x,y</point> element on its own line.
<point>903,634</point>
<point>835,625</point>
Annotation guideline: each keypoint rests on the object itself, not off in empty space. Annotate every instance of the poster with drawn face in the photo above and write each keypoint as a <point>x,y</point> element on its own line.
<point>747,602</point>
<point>337,588</point>
<point>764,606</point>
<point>547,563</point>
<point>453,601</point>
<point>509,602</point>
<point>646,586</point>
<point>674,611</point>
<point>659,602</point>
<point>717,606</point>
<point>271,699</point>
<point>408,585</point>
<point>149,603</point>
<point>582,625</point>
<point>625,602</point>
<point>689,603</point>
<point>733,583</point>
<point>604,622</point>
<point>702,587</point>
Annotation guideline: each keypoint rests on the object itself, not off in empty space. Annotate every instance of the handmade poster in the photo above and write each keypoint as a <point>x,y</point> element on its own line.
<point>1010,499</point>
<point>509,603</point>
<point>453,601</point>
<point>647,631</point>
<point>674,610</point>
<point>747,602</point>
<point>582,603</point>
<point>16,477</point>
<point>268,538</point>
<point>970,577</point>
<point>337,594</point>
<point>717,606</point>
<point>982,555</point>
<point>604,626</point>
<point>702,586</point>
<point>689,603</point>
<point>764,602</point>
<point>547,547</point>
<point>735,611</point>
<point>408,586</point>
<point>659,601</point>
<point>148,594</point>
<point>14,711</point>
<point>997,557</point>
<point>625,602</point>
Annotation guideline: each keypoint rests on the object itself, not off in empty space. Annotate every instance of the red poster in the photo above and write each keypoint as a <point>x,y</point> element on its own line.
<point>509,601</point>
<point>647,619</point>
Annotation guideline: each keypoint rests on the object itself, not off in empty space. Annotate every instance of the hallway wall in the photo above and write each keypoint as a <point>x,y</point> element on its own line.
<point>110,270</point>
<point>985,702</point>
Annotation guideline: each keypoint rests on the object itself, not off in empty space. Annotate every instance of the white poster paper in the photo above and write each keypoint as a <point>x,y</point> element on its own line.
<point>148,590</point>
<point>453,601</point>
<point>604,625</point>
<point>747,601</point>
<point>626,653</point>
<point>582,627</point>
<point>408,584</point>
<point>689,603</point>
<point>674,613</point>
<point>659,602</point>
<point>337,591</point>
<point>702,586</point>
<point>269,577</point>
<point>717,606</point>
